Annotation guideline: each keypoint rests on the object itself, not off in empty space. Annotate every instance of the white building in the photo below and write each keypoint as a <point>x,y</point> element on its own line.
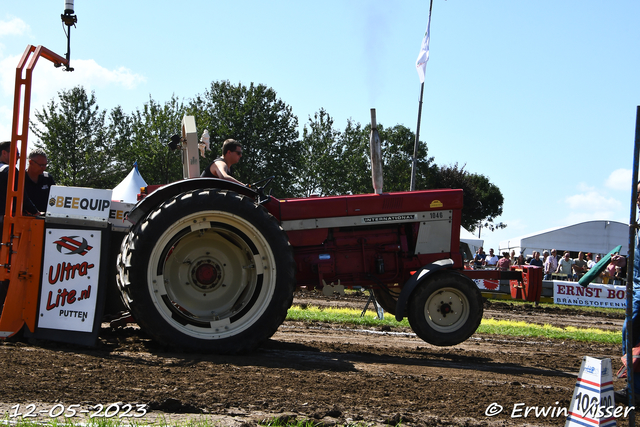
<point>473,243</point>
<point>597,237</point>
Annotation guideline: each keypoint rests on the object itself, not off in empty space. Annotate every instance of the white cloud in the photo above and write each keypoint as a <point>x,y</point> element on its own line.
<point>48,81</point>
<point>620,179</point>
<point>93,75</point>
<point>593,201</point>
<point>13,27</point>
<point>584,187</point>
<point>6,116</point>
<point>594,205</point>
<point>8,75</point>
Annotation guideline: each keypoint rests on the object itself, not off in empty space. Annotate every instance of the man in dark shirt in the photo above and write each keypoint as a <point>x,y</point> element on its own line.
<point>38,182</point>
<point>536,261</point>
<point>28,206</point>
<point>478,260</point>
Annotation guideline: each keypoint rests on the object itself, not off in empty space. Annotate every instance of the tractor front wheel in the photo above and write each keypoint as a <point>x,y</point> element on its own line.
<point>445,309</point>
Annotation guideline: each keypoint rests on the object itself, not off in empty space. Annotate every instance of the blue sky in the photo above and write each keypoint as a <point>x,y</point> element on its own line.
<point>539,96</point>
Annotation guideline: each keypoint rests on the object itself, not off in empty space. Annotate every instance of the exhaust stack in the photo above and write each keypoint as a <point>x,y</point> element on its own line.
<point>376,155</point>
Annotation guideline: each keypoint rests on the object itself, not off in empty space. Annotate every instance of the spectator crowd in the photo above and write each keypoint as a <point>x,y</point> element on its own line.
<point>555,267</point>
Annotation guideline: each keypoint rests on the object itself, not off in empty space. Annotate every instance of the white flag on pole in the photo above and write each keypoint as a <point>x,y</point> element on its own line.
<point>423,56</point>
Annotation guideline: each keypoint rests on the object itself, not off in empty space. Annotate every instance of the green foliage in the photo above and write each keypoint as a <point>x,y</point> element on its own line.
<point>397,152</point>
<point>151,130</point>
<point>86,150</point>
<point>89,148</point>
<point>320,160</point>
<point>355,167</point>
<point>262,123</point>
<point>482,200</point>
<point>73,134</point>
<point>334,162</point>
<point>337,162</point>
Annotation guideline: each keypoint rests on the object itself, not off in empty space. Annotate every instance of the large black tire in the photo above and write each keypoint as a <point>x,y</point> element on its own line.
<point>445,309</point>
<point>208,270</point>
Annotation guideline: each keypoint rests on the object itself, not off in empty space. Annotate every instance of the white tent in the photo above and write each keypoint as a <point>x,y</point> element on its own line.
<point>127,191</point>
<point>598,237</point>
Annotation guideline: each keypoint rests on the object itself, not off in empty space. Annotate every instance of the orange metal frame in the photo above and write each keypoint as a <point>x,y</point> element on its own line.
<point>22,236</point>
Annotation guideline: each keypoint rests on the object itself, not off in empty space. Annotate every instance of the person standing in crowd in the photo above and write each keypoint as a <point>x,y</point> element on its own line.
<point>478,260</point>
<point>564,266</point>
<point>617,261</point>
<point>590,261</point>
<point>621,396</point>
<point>536,261</point>
<point>600,277</point>
<point>38,182</point>
<point>504,263</point>
<point>579,266</point>
<point>491,260</point>
<point>550,265</point>
<point>620,276</point>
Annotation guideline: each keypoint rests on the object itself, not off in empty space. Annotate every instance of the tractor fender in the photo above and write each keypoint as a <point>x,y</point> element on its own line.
<point>417,277</point>
<point>170,190</point>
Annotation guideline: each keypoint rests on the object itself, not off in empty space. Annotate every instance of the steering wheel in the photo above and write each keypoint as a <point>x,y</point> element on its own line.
<point>258,188</point>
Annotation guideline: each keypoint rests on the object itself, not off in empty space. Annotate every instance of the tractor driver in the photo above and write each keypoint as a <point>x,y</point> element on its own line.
<point>221,167</point>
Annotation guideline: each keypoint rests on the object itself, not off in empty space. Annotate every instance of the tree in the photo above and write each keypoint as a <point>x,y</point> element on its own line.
<point>319,161</point>
<point>120,133</point>
<point>74,136</point>
<point>262,123</point>
<point>397,153</point>
<point>337,162</point>
<point>482,200</point>
<point>354,167</point>
<point>151,130</point>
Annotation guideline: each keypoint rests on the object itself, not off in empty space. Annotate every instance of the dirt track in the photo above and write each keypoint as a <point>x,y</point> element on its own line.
<point>327,374</point>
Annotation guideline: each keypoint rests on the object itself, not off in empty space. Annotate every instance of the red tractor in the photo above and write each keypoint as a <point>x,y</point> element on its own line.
<point>210,265</point>
<point>213,265</point>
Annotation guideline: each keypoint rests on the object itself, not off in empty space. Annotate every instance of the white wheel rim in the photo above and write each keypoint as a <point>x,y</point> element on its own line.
<point>446,310</point>
<point>211,275</point>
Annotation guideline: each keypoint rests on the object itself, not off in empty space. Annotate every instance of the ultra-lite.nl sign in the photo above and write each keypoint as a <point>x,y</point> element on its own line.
<point>69,289</point>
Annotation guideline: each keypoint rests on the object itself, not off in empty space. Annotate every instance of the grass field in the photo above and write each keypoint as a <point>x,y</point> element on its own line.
<point>349,316</point>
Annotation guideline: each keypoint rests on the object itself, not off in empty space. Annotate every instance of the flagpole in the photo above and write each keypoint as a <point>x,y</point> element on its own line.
<point>415,145</point>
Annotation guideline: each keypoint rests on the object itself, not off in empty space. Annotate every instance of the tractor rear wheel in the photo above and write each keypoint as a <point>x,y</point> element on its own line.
<point>445,309</point>
<point>208,270</point>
